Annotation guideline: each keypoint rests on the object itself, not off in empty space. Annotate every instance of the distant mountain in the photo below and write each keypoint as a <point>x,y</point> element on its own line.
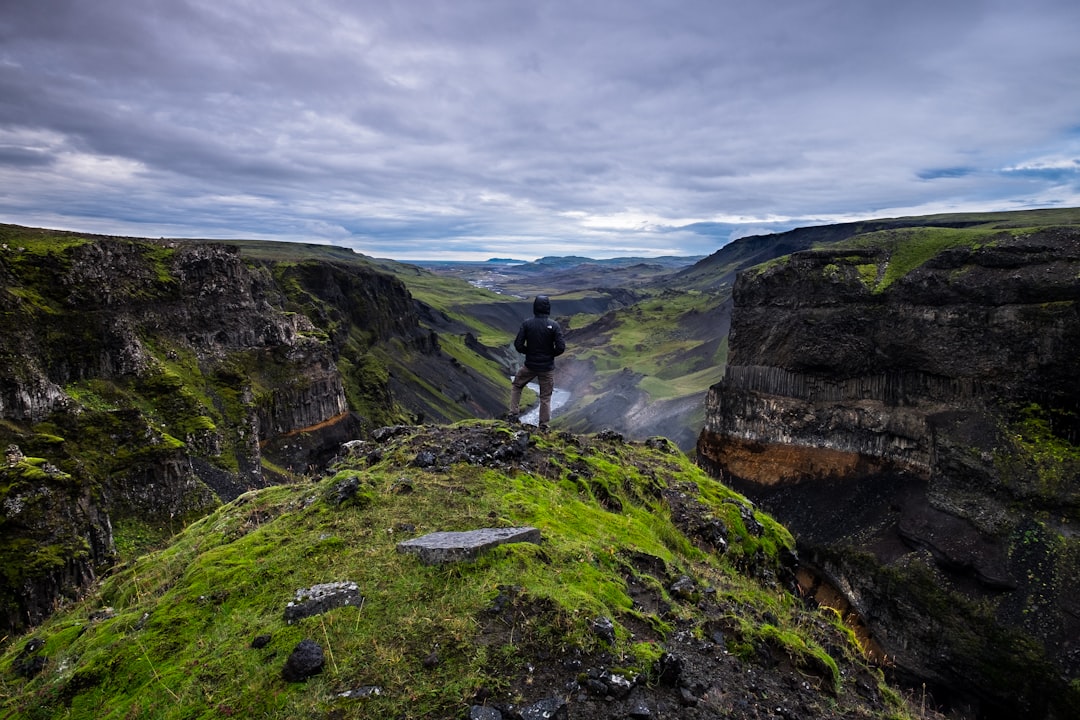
<point>719,269</point>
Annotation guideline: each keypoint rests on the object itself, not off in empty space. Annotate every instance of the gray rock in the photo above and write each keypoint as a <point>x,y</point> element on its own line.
<point>546,709</point>
<point>618,686</point>
<point>424,458</point>
<point>483,712</point>
<point>364,691</point>
<point>318,599</point>
<point>604,629</point>
<point>447,547</point>
<point>639,710</point>
<point>683,588</point>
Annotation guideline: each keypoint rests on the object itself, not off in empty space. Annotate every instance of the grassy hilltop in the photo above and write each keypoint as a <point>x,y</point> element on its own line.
<point>695,582</point>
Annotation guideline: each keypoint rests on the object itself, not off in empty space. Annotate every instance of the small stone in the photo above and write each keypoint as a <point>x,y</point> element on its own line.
<point>424,459</point>
<point>305,660</point>
<point>604,629</point>
<point>344,491</point>
<point>683,588</point>
<point>639,710</point>
<point>753,526</point>
<point>28,663</point>
<point>320,598</point>
<point>618,686</point>
<point>14,455</point>
<point>669,669</point>
<point>362,692</point>
<point>546,709</point>
<point>687,697</point>
<point>596,687</point>
<point>483,712</point>
<point>260,641</point>
<point>105,613</point>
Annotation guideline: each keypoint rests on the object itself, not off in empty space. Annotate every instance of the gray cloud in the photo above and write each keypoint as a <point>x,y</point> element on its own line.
<point>428,129</point>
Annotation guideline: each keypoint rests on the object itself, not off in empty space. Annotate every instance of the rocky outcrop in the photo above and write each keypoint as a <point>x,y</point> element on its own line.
<point>155,376</point>
<point>908,405</point>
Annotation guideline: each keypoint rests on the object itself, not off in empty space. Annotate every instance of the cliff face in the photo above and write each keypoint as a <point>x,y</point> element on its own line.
<point>909,404</point>
<point>156,379</point>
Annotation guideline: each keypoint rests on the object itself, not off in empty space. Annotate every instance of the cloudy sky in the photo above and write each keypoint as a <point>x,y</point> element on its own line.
<point>466,129</point>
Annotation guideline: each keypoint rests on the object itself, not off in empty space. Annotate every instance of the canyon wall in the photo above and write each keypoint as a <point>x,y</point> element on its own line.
<point>908,403</point>
<point>155,379</point>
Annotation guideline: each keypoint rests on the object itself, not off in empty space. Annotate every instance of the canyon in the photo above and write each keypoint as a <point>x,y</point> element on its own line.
<point>902,394</point>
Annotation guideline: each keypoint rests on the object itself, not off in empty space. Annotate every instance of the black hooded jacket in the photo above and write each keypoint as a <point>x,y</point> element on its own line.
<point>540,338</point>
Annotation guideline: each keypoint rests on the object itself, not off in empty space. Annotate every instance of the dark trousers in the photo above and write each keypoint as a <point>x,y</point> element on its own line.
<point>547,384</point>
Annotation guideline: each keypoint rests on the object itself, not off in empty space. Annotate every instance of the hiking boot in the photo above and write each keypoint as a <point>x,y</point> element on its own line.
<point>543,427</point>
<point>512,417</point>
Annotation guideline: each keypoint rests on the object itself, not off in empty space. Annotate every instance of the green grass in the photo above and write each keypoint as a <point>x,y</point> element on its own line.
<point>908,249</point>
<point>649,337</point>
<point>682,385</point>
<point>175,642</point>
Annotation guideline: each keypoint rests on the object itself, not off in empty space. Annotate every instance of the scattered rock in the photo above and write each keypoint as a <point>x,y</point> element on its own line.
<point>669,670</point>
<point>753,527</point>
<point>364,691</point>
<point>105,613</point>
<point>684,588</point>
<point>318,599</point>
<point>604,629</point>
<point>446,547</point>
<point>383,434</point>
<point>505,598</point>
<point>687,697</point>
<point>639,710</point>
<point>14,455</point>
<point>424,459</point>
<point>344,492</point>
<point>305,660</point>
<point>260,641</point>
<point>661,443</point>
<point>483,712</point>
<point>29,663</point>
<point>609,435</point>
<point>515,449</point>
<point>618,686</point>
<point>547,709</point>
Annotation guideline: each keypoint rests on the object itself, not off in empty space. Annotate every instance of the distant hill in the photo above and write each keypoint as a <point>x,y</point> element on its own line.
<point>719,269</point>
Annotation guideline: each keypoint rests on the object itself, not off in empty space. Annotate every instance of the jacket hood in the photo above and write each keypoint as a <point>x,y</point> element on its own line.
<point>542,305</point>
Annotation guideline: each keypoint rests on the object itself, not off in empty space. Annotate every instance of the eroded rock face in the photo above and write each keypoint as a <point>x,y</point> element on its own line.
<point>157,374</point>
<point>919,435</point>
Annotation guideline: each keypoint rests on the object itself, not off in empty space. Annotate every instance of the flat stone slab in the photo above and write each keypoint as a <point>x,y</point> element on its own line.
<point>318,599</point>
<point>448,547</point>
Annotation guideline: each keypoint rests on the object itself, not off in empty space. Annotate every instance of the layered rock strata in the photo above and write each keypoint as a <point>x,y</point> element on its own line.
<point>915,423</point>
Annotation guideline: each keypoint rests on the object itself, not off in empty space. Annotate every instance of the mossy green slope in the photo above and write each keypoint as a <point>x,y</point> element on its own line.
<point>169,635</point>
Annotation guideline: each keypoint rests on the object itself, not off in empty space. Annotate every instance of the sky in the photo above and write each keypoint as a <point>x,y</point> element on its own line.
<point>469,129</point>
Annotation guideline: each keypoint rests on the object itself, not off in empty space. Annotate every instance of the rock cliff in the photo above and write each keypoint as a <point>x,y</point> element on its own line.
<point>158,378</point>
<point>907,402</point>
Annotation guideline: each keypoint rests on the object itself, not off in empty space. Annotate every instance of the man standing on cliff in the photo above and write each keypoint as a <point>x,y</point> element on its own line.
<point>540,339</point>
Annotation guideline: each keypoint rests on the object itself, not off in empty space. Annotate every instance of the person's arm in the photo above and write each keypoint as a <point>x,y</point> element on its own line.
<point>558,343</point>
<point>519,341</point>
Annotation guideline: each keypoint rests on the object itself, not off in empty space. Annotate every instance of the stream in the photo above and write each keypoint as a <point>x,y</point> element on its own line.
<point>558,399</point>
